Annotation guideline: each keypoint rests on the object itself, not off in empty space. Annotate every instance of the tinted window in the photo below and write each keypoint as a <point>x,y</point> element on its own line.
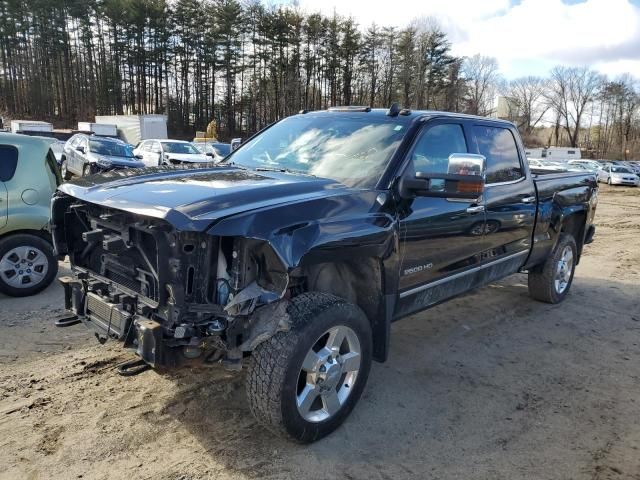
<point>499,148</point>
<point>432,150</point>
<point>8,162</point>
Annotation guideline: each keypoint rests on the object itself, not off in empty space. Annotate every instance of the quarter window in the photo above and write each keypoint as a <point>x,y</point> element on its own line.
<point>8,162</point>
<point>499,147</point>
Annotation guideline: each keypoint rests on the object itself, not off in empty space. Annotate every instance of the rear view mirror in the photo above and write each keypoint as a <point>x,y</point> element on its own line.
<point>464,179</point>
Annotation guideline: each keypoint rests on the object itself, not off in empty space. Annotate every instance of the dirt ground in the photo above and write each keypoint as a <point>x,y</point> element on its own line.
<point>492,385</point>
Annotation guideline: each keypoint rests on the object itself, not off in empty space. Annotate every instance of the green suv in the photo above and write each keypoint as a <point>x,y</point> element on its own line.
<point>28,177</point>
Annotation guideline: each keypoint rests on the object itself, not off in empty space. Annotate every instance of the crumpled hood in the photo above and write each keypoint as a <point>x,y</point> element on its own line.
<point>193,198</point>
<point>188,157</point>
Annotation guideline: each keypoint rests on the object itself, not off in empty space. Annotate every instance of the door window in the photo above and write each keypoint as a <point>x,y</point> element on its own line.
<point>8,162</point>
<point>432,150</point>
<point>499,148</point>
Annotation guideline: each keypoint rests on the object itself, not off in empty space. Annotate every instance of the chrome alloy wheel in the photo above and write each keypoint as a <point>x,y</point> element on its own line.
<point>564,267</point>
<point>23,267</point>
<point>328,374</point>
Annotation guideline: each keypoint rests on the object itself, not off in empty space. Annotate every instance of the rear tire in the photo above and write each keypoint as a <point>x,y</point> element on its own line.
<point>551,281</point>
<point>27,265</point>
<point>303,383</point>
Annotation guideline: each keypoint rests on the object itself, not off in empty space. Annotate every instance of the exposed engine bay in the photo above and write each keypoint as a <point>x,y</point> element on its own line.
<point>175,297</point>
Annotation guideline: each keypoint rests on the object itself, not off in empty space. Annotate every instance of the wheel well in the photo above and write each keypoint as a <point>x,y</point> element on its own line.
<point>359,282</point>
<point>573,225</point>
<point>38,233</point>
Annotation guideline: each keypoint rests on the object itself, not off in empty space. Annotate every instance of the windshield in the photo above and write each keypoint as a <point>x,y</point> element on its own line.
<point>113,149</point>
<point>178,147</point>
<point>620,170</point>
<point>351,149</point>
<point>223,149</point>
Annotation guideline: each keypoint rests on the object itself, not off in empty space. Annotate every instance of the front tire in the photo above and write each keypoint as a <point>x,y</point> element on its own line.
<point>64,171</point>
<point>87,170</point>
<point>551,281</point>
<point>27,265</point>
<point>303,383</point>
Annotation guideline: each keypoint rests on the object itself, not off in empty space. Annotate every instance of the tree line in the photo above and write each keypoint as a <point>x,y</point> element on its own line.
<point>246,65</point>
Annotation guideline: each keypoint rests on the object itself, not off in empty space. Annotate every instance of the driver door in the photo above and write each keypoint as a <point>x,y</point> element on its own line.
<point>441,238</point>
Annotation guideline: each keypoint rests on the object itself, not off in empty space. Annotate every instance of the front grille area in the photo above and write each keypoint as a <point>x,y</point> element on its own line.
<point>108,315</point>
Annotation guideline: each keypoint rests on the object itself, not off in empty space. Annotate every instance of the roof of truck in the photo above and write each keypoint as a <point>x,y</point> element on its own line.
<point>409,114</point>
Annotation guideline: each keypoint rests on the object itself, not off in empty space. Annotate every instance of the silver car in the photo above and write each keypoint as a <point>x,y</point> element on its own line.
<point>88,154</point>
<point>617,175</point>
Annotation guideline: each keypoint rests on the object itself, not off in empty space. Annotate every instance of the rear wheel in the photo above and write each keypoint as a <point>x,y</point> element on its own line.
<point>303,383</point>
<point>27,265</point>
<point>551,281</point>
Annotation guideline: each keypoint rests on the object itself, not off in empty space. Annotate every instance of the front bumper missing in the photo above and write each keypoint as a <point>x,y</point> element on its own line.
<point>119,321</point>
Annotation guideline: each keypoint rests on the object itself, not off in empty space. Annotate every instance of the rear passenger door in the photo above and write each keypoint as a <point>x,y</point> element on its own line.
<point>509,196</point>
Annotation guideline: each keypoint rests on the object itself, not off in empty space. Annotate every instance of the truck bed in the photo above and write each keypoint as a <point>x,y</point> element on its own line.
<point>556,192</point>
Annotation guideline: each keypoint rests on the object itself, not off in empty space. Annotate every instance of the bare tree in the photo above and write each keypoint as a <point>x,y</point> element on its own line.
<point>528,96</point>
<point>570,91</point>
<point>481,74</point>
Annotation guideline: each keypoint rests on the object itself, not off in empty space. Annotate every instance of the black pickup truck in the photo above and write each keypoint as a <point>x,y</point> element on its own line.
<point>306,243</point>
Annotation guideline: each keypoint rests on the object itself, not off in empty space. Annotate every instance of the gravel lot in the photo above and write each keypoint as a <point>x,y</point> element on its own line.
<point>490,385</point>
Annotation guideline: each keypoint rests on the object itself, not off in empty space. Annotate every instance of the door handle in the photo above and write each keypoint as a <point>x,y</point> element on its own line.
<point>475,209</point>
<point>528,199</point>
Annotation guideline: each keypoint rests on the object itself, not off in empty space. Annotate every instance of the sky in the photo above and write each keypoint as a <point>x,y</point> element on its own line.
<point>527,37</point>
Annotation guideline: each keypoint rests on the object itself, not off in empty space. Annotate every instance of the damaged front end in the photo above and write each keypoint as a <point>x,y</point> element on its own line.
<point>174,297</point>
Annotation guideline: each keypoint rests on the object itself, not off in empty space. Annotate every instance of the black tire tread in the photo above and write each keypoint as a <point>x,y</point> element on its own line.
<point>541,280</point>
<point>268,363</point>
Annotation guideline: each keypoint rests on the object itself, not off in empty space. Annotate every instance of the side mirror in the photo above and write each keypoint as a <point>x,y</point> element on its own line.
<point>464,179</point>
<point>235,143</point>
<point>80,149</point>
<point>138,156</point>
<point>209,154</point>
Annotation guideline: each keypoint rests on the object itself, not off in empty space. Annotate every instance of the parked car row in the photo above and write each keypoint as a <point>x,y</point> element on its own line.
<point>85,154</point>
<point>614,172</point>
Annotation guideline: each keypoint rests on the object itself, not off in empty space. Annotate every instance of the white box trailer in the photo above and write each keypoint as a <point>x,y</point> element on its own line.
<point>19,126</point>
<point>534,152</point>
<point>134,128</point>
<point>101,129</point>
<point>562,153</point>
